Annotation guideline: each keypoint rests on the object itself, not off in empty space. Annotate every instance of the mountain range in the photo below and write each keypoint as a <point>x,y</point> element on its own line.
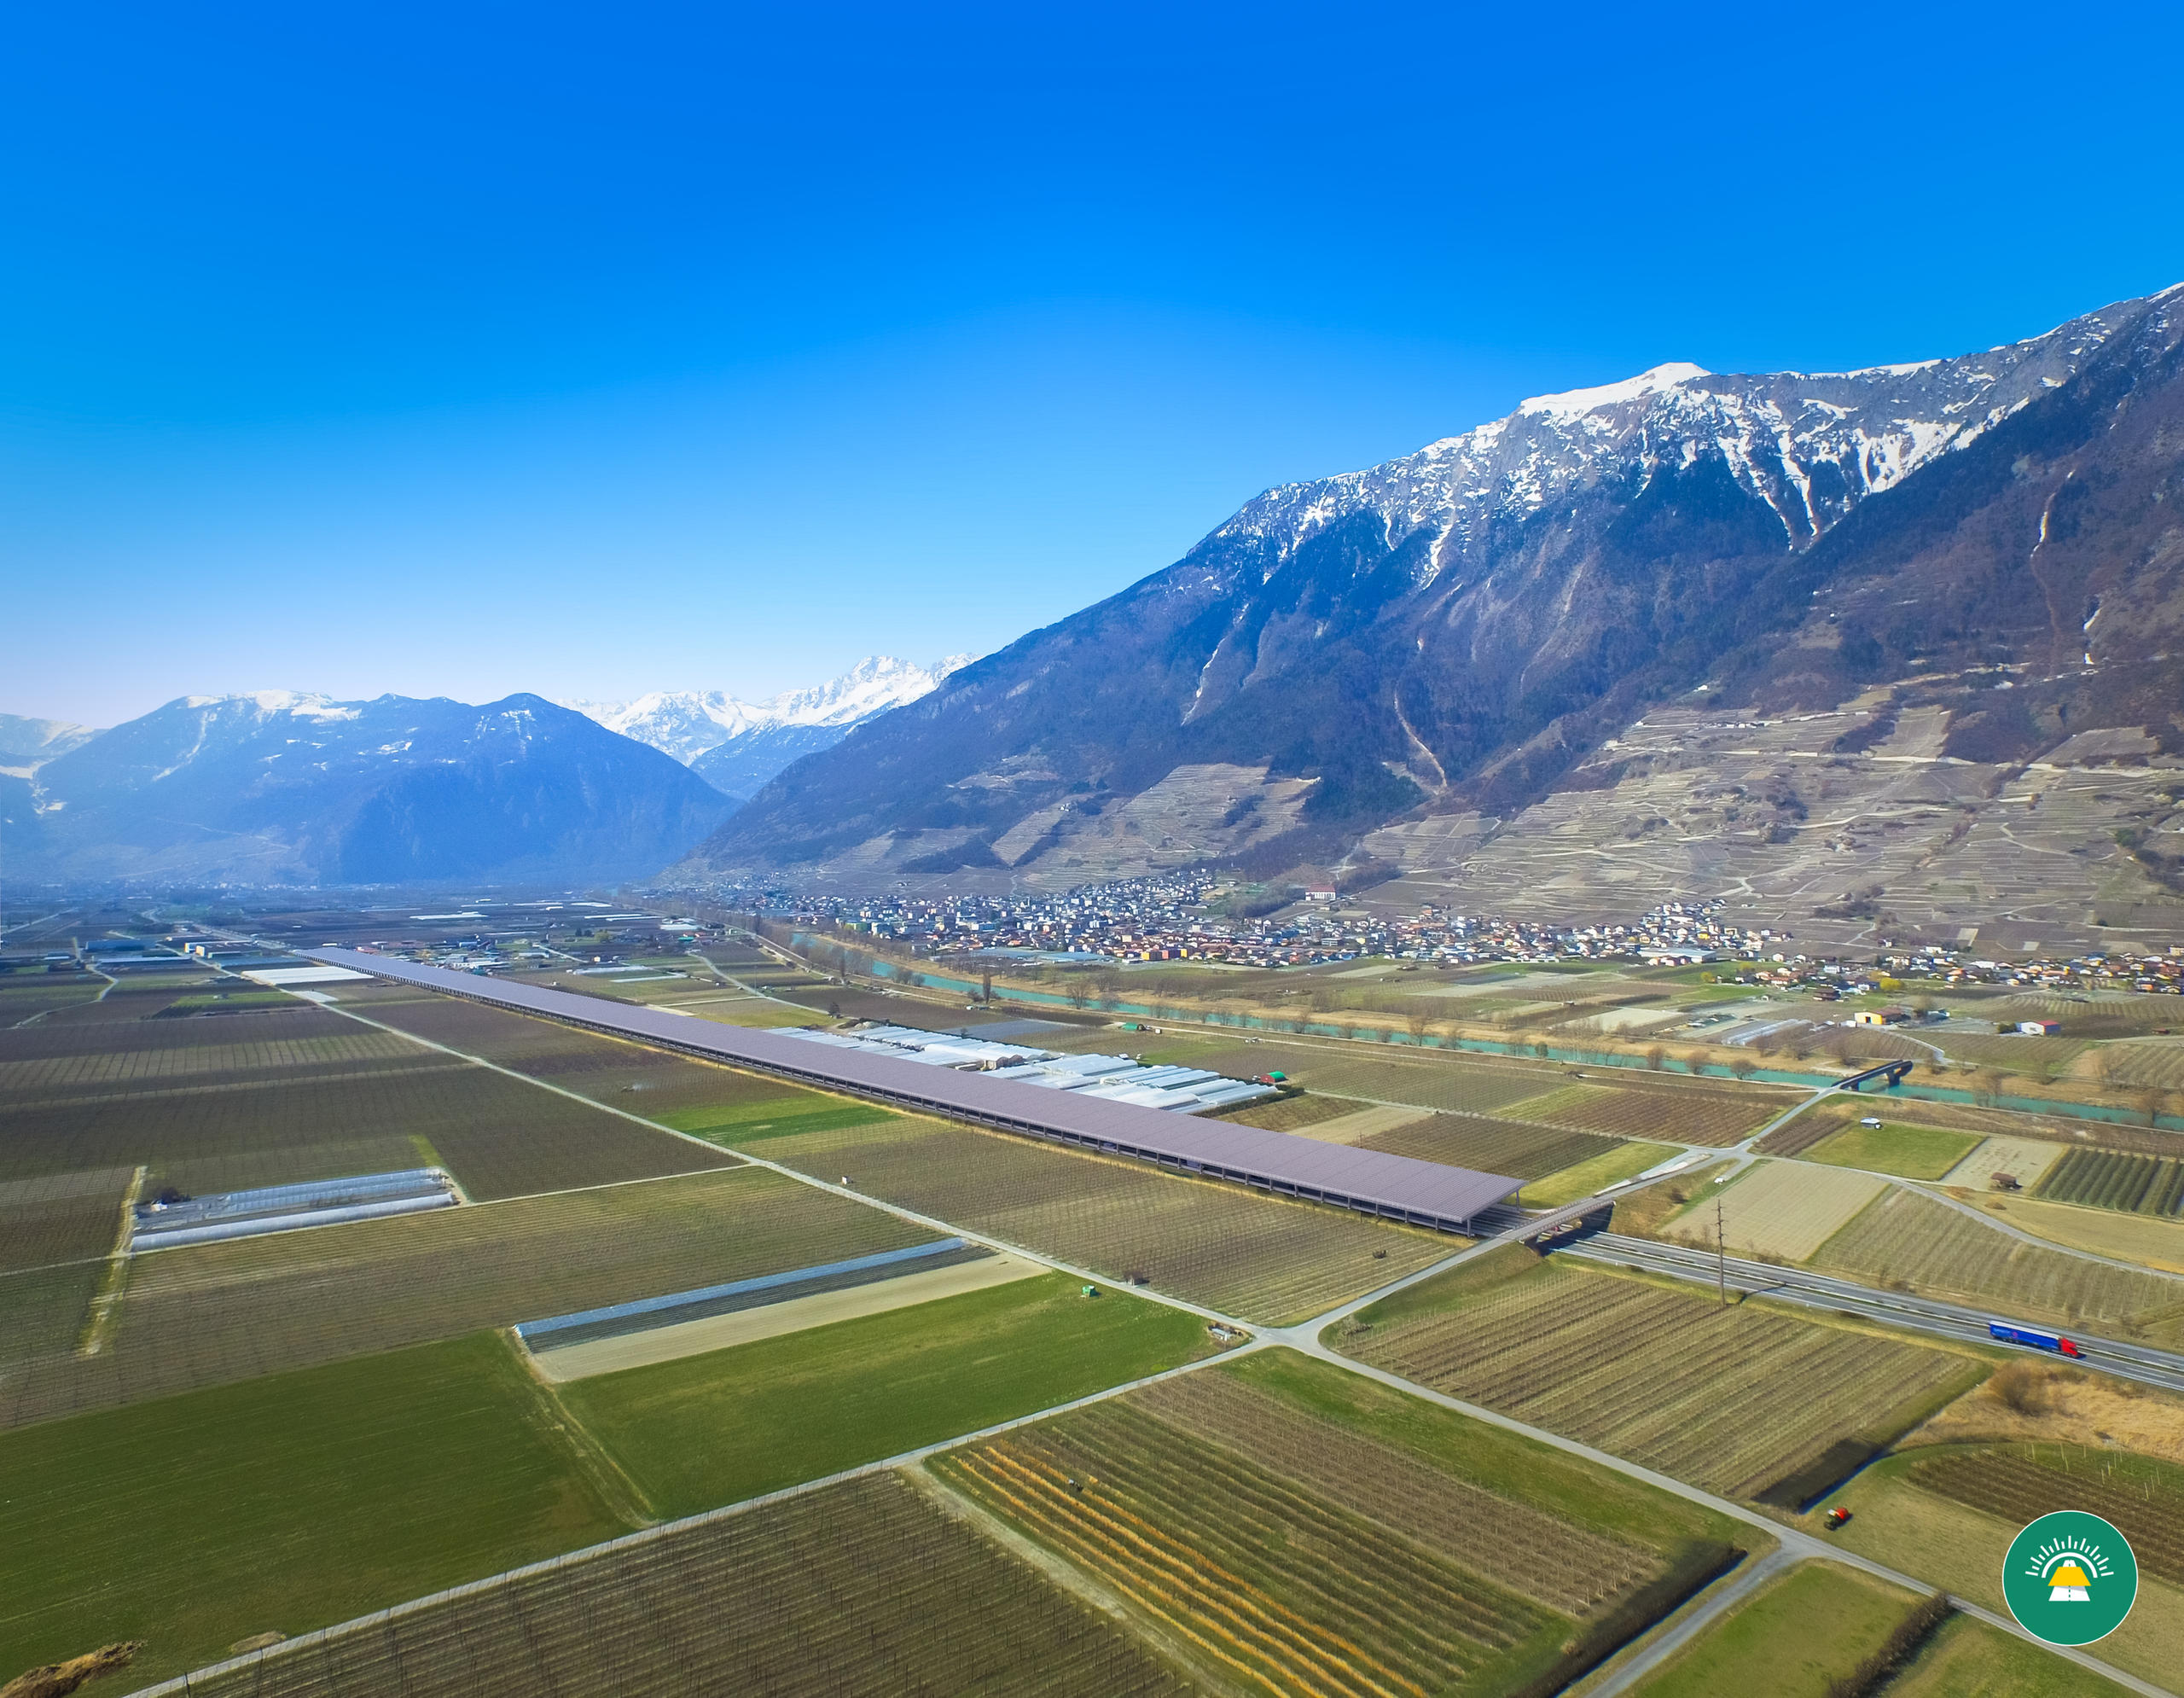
<point>737,746</point>
<point>1414,659</point>
<point>1898,648</point>
<point>280,787</point>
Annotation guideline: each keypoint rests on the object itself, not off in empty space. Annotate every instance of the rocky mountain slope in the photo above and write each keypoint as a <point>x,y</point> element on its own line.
<point>737,746</point>
<point>1461,635</point>
<point>280,787</point>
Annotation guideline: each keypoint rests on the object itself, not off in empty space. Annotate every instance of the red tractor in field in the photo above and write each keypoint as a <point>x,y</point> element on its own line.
<point>1836,1518</point>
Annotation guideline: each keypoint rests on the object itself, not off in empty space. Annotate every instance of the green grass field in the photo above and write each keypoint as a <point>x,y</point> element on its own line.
<point>283,1504</point>
<point>730,1124</point>
<point>732,1424</point>
<point>1968,1658</point>
<point>1791,1639</point>
<point>1910,1152</point>
<point>1588,1177</point>
<point>215,1000</point>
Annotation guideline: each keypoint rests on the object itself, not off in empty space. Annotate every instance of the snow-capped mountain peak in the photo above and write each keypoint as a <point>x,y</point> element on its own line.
<point>1810,444</point>
<point>872,686</point>
<point>690,724</point>
<point>302,703</point>
<point>1572,402</point>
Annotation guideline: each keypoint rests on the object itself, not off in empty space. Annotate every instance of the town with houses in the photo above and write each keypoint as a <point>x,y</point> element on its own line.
<point>1194,917</point>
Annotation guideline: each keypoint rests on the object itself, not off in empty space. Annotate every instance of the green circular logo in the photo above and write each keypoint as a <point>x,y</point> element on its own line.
<point>2070,1578</point>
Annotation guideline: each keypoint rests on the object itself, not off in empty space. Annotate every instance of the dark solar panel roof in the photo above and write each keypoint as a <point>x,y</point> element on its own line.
<point>1424,1192</point>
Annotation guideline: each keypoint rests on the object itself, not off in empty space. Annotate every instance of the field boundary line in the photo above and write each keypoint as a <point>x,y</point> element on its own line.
<point>1789,1538</point>
<point>625,1496</point>
<point>931,1223</point>
<point>1935,1195</point>
<point>180,1684</point>
<point>113,1284</point>
<point>727,978</point>
<point>1680,1627</point>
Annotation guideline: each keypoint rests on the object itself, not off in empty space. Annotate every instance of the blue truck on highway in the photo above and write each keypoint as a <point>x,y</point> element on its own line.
<point>2034,1337</point>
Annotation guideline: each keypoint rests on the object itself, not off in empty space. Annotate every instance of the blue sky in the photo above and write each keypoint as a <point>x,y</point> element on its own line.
<point>466,349</point>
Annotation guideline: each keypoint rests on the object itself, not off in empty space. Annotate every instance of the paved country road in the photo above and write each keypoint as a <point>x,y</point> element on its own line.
<point>2141,1362</point>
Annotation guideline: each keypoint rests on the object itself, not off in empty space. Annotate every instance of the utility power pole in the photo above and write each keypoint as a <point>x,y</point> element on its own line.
<point>1720,1256</point>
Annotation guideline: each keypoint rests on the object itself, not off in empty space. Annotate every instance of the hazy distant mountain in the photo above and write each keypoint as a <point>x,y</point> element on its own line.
<point>30,743</point>
<point>1450,635</point>
<point>280,787</point>
<point>737,746</point>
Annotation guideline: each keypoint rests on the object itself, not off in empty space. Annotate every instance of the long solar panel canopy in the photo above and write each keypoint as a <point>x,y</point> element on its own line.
<point>1395,1187</point>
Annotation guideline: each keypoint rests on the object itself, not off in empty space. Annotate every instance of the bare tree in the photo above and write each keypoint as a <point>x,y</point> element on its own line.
<point>1657,1058</point>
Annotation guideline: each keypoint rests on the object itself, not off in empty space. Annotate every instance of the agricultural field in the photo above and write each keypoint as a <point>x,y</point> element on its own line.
<point>1233,1251</point>
<point>1546,1557</point>
<point>2141,1497</point>
<point>1677,1113</point>
<point>1625,1161</point>
<point>2102,1178</point>
<point>1294,1112</point>
<point>2027,1056</point>
<point>2145,1239</point>
<point>1367,1123</point>
<point>1910,1152</point>
<point>1759,1400</point>
<point>212,1313</point>
<point>43,1314</point>
<point>865,1589</point>
<point>2024,1159</point>
<point>2155,1061</point>
<point>1782,1209</point>
<point>1492,1146</point>
<point>2102,1015</point>
<point>1262,1576</point>
<point>688,989</point>
<point>62,1216</point>
<point>732,1424</point>
<point>1445,1083</point>
<point>227,1102</point>
<point>787,1112</point>
<point>1804,1630</point>
<point>1968,1658</point>
<point>289,1504</point>
<point>1937,1251</point>
<point>1820,1122</point>
<point>1951,1545</point>
<point>25,998</point>
<point>656,1084</point>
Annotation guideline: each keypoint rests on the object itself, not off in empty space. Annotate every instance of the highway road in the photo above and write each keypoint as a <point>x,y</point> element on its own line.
<point>2148,1366</point>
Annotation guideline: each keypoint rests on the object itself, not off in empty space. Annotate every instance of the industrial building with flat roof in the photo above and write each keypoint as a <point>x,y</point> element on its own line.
<point>1395,1187</point>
